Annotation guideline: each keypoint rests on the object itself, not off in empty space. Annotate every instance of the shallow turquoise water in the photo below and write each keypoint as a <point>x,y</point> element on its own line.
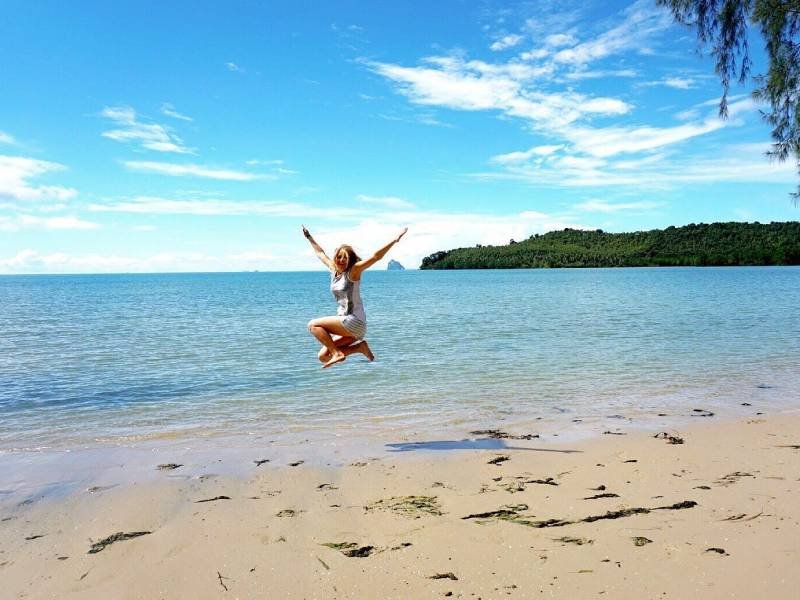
<point>109,359</point>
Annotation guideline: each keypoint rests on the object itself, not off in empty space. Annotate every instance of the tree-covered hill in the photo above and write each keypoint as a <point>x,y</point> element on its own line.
<point>691,245</point>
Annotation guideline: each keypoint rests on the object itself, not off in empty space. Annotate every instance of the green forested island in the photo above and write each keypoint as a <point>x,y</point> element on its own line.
<point>715,244</point>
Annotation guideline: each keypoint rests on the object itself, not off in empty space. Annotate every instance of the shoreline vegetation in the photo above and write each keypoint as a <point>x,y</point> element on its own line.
<point>696,245</point>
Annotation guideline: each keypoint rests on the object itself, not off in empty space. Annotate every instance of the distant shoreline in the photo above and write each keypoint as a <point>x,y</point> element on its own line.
<point>694,245</point>
<point>159,273</point>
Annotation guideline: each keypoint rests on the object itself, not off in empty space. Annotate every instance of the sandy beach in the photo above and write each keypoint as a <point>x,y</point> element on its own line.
<point>708,510</point>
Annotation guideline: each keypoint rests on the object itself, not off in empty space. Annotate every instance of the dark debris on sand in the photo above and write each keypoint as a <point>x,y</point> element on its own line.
<point>574,540</point>
<point>502,435</point>
<point>603,495</point>
<point>615,514</point>
<point>117,537</point>
<point>444,576</point>
<point>168,466</point>
<point>409,506</point>
<point>671,439</point>
<point>702,412</point>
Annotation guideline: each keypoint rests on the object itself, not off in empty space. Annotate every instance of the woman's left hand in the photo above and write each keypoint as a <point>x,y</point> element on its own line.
<point>402,233</point>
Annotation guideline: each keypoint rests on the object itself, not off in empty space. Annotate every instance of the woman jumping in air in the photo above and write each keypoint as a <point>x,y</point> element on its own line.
<point>343,334</point>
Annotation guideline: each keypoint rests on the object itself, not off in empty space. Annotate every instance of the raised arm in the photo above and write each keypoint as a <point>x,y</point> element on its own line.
<point>317,249</point>
<point>362,265</point>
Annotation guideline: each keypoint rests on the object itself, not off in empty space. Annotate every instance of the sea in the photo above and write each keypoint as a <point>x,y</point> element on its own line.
<point>103,362</point>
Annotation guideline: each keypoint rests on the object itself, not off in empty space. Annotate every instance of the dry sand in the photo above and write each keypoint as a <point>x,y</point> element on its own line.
<point>403,520</point>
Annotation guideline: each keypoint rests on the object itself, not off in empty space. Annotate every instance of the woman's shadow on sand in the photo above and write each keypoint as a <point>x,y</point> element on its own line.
<point>467,444</point>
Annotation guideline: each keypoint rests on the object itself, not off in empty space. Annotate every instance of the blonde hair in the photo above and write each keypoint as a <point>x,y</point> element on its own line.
<point>352,257</point>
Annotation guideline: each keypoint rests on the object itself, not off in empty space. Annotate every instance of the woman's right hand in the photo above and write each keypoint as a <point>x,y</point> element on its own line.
<point>306,232</point>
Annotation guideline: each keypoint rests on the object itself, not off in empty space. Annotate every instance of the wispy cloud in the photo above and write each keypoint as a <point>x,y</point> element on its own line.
<point>509,88</point>
<point>154,205</point>
<point>423,118</point>
<point>178,170</point>
<point>15,173</point>
<point>275,166</point>
<point>506,42</point>
<point>170,111</point>
<point>608,141</point>
<point>430,231</point>
<point>150,136</point>
<point>232,66</point>
<point>599,74</point>
<point>6,138</point>
<point>516,157</point>
<point>678,83</point>
<point>743,163</point>
<point>601,206</point>
<point>386,201</point>
<point>19,222</point>
<point>32,261</point>
<point>642,20</point>
<point>557,40</point>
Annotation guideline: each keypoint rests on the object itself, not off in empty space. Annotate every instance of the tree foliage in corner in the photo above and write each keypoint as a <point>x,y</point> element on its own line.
<point>723,25</point>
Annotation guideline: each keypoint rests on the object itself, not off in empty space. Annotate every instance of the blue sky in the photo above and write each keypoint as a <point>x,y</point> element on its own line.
<point>178,136</point>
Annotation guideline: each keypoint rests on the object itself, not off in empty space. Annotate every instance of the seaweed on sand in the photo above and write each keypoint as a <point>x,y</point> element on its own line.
<point>671,439</point>
<point>117,537</point>
<point>351,549</point>
<point>573,540</point>
<point>614,514</point>
<point>409,506</point>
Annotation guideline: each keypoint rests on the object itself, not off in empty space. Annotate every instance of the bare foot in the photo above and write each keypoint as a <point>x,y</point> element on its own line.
<point>338,357</point>
<point>364,349</point>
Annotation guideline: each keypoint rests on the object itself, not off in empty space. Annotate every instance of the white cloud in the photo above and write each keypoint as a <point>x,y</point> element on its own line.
<point>681,83</point>
<point>599,74</point>
<point>609,141</point>
<point>534,54</point>
<point>253,162</point>
<point>151,136</point>
<point>5,138</point>
<point>678,83</point>
<point>211,207</point>
<point>517,157</point>
<point>387,201</point>
<point>642,20</point>
<point>15,173</point>
<point>557,40</point>
<point>232,66</point>
<point>170,111</point>
<point>476,85</point>
<point>176,170</point>
<point>601,206</point>
<point>739,163</point>
<point>31,261</point>
<point>508,41</point>
<point>430,232</point>
<point>51,223</point>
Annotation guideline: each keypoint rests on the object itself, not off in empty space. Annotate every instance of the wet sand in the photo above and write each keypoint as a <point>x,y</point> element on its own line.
<point>709,510</point>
